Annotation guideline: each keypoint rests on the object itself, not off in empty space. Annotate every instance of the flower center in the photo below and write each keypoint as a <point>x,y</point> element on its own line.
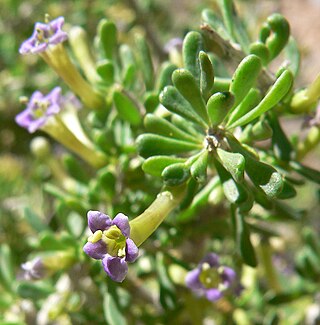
<point>114,240</point>
<point>210,277</point>
<point>40,108</point>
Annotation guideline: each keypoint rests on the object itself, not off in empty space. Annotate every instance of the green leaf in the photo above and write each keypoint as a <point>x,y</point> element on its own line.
<point>234,163</point>
<point>159,125</point>
<point>234,192</point>
<point>215,23</point>
<point>126,109</point>
<point>176,174</point>
<point>164,75</point>
<point>192,45</point>
<point>112,313</point>
<point>7,276</point>
<point>198,169</point>
<point>273,97</point>
<point>245,77</point>
<point>34,220</point>
<point>194,130</point>
<point>262,175</point>
<point>156,164</point>
<point>145,61</point>
<point>153,144</point>
<point>288,191</point>
<point>261,50</point>
<point>187,85</point>
<point>275,34</point>
<point>247,104</point>
<point>75,169</point>
<point>261,131</point>
<point>173,101</point>
<point>128,63</point>
<point>218,106</point>
<point>242,233</point>
<point>310,173</point>
<point>206,75</point>
<point>34,291</point>
<point>281,145</point>
<point>107,35</point>
<point>293,56</point>
<point>192,188</point>
<point>105,69</point>
<point>168,297</point>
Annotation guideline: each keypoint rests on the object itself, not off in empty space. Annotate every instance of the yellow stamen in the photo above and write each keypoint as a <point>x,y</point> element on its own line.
<point>95,237</point>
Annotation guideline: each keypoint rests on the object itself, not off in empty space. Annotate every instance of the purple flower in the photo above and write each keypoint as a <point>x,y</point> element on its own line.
<point>43,36</point>
<point>173,44</point>
<point>34,269</point>
<point>110,243</point>
<point>212,280</point>
<point>39,109</point>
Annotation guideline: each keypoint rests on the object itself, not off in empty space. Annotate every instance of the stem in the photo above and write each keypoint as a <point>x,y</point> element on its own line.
<point>146,223</point>
<point>269,271</point>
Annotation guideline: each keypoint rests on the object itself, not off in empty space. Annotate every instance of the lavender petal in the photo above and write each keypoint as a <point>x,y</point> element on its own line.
<point>115,267</point>
<point>96,250</point>
<point>122,222</point>
<point>132,250</point>
<point>98,221</point>
<point>192,280</point>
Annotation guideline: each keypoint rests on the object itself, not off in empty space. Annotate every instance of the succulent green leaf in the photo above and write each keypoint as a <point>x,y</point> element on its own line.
<point>187,85</point>
<point>153,145</point>
<point>194,130</point>
<point>242,234</point>
<point>35,291</point>
<point>128,64</point>
<point>198,169</point>
<point>156,164</point>
<point>206,75</point>
<point>250,101</point>
<point>215,23</point>
<point>234,163</point>
<point>218,106</point>
<point>7,275</point>
<point>261,130</point>
<point>192,45</point>
<point>173,101</point>
<point>159,125</point>
<point>165,74</point>
<point>245,77</point>
<point>176,174</point>
<point>192,188</point>
<point>126,109</point>
<point>310,173</point>
<point>279,89</point>
<point>281,145</point>
<point>145,61</point>
<point>275,34</point>
<point>234,192</point>
<point>105,70</point>
<point>293,56</point>
<point>107,36</point>
<point>262,175</point>
<point>262,51</point>
<point>288,191</point>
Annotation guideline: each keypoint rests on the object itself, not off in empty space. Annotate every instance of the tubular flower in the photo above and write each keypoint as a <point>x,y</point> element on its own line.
<point>212,280</point>
<point>39,108</point>
<point>44,35</point>
<point>110,243</point>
